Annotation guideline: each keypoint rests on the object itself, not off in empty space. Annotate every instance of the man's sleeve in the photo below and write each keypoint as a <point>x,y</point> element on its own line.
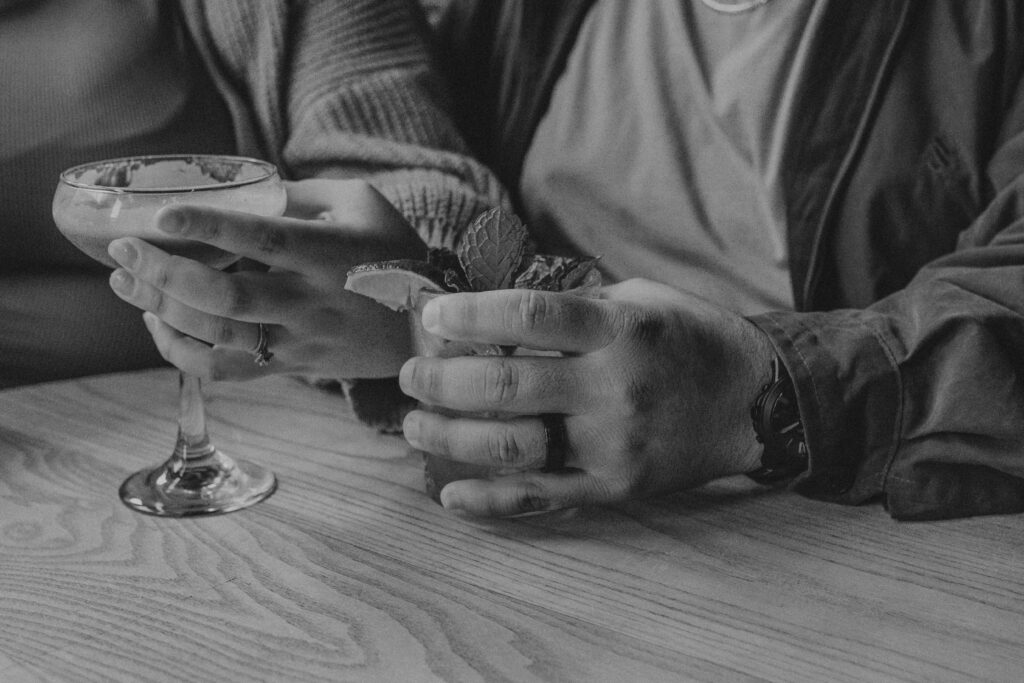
<point>919,399</point>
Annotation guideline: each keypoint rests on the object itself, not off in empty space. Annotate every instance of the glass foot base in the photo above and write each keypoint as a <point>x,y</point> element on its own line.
<point>210,485</point>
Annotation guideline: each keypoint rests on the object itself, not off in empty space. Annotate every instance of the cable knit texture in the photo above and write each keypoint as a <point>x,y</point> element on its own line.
<point>345,89</point>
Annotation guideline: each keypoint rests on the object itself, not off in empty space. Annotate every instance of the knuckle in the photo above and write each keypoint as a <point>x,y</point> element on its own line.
<point>158,303</point>
<point>503,447</point>
<point>271,240</point>
<point>501,382</point>
<point>638,397</point>
<point>237,300</point>
<point>646,328</point>
<point>224,333</point>
<point>531,311</point>
<point>529,496</point>
<point>425,377</point>
<point>160,273</point>
<point>616,319</point>
<point>197,224</point>
<point>440,440</point>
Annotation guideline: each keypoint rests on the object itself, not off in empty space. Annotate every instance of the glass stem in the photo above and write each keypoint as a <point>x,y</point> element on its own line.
<point>197,479</point>
<point>193,441</point>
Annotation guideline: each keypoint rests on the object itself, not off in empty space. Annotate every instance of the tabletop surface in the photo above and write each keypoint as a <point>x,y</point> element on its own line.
<point>349,572</point>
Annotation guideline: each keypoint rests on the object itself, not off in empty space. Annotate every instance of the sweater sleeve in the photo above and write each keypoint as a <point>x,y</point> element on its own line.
<point>341,90</point>
<point>347,89</point>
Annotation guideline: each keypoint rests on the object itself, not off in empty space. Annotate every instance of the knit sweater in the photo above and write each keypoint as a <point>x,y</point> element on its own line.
<point>345,89</point>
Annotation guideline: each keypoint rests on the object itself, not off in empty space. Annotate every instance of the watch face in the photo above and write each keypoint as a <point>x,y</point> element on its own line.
<point>784,417</point>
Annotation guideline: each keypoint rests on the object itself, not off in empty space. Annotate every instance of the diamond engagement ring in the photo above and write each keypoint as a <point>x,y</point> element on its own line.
<point>261,353</point>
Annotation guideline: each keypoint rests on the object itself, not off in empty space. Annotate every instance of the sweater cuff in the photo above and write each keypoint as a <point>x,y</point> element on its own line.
<point>439,206</point>
<point>377,403</point>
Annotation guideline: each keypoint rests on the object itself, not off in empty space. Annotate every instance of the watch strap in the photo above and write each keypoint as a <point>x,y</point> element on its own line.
<point>777,425</point>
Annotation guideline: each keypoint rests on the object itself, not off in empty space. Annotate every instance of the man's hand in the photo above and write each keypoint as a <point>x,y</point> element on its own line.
<point>205,321</point>
<point>655,386</point>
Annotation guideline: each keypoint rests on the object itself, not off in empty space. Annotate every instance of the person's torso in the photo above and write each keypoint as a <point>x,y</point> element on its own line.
<point>662,146</point>
<point>900,112</point>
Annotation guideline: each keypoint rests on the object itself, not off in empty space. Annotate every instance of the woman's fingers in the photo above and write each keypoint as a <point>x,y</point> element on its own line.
<point>246,296</point>
<point>514,444</point>
<point>330,223</point>
<point>513,384</point>
<point>287,243</point>
<point>524,317</point>
<point>211,329</point>
<point>196,358</point>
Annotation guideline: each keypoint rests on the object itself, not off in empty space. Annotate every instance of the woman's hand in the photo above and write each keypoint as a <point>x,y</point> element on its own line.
<point>205,321</point>
<point>655,387</point>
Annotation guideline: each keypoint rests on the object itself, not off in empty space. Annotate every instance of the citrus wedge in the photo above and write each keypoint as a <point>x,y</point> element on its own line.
<point>396,284</point>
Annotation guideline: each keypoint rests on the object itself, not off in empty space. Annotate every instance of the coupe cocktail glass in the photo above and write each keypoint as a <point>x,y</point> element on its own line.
<point>98,202</point>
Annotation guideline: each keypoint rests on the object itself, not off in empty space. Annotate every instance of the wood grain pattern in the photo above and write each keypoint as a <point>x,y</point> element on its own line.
<point>350,573</point>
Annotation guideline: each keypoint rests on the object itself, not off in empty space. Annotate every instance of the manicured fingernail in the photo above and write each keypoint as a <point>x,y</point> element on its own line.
<point>121,281</point>
<point>170,221</point>
<point>123,252</point>
<point>432,317</point>
<point>411,429</point>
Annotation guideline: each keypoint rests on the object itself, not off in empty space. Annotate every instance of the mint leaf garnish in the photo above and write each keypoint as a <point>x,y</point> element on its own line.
<point>493,249</point>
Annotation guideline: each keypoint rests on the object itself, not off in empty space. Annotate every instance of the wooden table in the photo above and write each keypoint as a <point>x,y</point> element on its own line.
<point>350,573</point>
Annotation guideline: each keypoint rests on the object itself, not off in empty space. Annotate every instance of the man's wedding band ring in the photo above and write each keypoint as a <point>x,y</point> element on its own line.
<point>554,432</point>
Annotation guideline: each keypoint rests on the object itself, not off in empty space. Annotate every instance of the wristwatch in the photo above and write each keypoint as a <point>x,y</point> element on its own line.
<point>777,425</point>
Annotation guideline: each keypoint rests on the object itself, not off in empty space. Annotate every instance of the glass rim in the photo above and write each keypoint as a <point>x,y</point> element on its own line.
<point>269,171</point>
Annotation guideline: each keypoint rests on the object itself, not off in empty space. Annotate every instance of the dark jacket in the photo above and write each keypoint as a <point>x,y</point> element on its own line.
<point>905,196</point>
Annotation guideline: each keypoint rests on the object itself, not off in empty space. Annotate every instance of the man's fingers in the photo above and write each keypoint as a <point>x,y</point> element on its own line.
<point>515,444</point>
<point>523,317</point>
<point>522,493</point>
<point>514,384</point>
